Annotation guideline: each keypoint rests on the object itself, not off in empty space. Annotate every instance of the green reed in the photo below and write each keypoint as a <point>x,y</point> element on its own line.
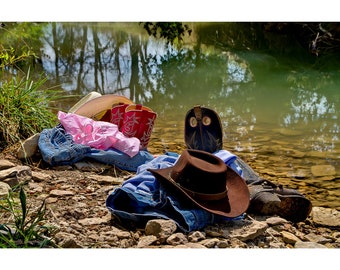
<point>25,227</point>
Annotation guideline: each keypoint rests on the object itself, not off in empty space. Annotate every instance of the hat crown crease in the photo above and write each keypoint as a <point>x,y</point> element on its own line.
<point>201,175</point>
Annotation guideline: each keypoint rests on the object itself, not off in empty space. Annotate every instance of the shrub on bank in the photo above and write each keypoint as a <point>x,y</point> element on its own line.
<point>24,109</point>
<point>25,106</point>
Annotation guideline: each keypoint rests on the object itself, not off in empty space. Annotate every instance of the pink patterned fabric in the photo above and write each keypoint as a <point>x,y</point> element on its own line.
<point>98,134</point>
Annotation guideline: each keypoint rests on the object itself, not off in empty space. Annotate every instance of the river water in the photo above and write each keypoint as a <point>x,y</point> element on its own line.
<point>279,110</point>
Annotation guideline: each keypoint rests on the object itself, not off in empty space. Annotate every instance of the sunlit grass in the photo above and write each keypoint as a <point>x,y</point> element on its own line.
<point>24,108</point>
<point>20,226</point>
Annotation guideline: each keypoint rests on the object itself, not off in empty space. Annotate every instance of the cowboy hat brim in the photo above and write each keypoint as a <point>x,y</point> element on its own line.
<point>96,108</point>
<point>203,130</point>
<point>236,202</point>
<point>81,102</point>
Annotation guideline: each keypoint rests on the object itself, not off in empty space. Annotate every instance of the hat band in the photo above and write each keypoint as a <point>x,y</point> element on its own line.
<point>203,196</point>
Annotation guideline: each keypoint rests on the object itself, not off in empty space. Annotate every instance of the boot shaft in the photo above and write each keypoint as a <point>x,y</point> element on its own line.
<point>138,122</point>
<point>117,114</point>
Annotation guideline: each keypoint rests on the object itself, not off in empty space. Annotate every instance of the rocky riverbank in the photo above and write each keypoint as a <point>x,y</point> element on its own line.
<point>75,198</point>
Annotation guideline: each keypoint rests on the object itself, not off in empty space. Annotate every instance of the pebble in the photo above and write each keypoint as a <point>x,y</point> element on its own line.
<point>160,228</point>
<point>326,217</point>
<point>177,239</point>
<point>4,189</point>
<point>29,147</point>
<point>146,241</point>
<point>61,193</point>
<point>301,244</point>
<point>289,238</point>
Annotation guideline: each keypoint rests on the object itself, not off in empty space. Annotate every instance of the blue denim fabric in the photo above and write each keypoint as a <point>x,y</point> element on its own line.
<point>120,159</point>
<point>229,159</point>
<point>58,148</point>
<point>142,198</point>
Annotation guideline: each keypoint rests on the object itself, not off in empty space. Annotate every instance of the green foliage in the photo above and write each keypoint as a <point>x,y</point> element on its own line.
<point>24,108</point>
<point>173,32</point>
<point>9,59</point>
<point>24,104</point>
<point>25,229</point>
<point>17,43</point>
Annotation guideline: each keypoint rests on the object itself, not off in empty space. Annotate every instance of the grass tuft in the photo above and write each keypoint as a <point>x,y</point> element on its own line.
<point>24,108</point>
<point>24,228</point>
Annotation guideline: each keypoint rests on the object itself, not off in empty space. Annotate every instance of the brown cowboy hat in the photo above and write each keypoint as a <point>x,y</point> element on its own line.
<point>98,107</point>
<point>205,180</point>
<point>203,129</point>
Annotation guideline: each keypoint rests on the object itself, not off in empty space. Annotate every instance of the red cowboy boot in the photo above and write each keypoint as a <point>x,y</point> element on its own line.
<point>117,115</point>
<point>138,122</point>
<point>103,116</point>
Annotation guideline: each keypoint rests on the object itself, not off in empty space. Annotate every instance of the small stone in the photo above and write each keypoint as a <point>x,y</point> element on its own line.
<point>245,230</point>
<point>66,240</point>
<point>160,228</point>
<point>92,221</point>
<point>301,244</point>
<point>196,236</point>
<point>123,234</point>
<point>40,177</point>
<point>5,164</point>
<point>326,216</point>
<point>336,235</point>
<point>29,147</point>
<point>312,237</point>
<point>212,231</point>
<point>236,243</point>
<point>4,189</point>
<point>50,200</point>
<point>222,244</point>
<point>194,245</point>
<point>177,239</point>
<point>87,166</point>
<point>126,243</point>
<point>273,232</point>
<point>289,238</point>
<point>273,221</point>
<point>12,181</point>
<point>34,187</point>
<point>146,241</point>
<point>276,245</point>
<point>22,173</point>
<point>210,243</point>
<point>61,193</point>
<point>107,179</point>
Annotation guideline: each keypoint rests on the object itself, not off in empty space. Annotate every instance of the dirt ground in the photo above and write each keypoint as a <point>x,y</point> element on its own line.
<point>75,208</point>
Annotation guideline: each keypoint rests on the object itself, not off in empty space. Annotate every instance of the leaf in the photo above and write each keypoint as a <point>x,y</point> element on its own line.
<point>23,202</point>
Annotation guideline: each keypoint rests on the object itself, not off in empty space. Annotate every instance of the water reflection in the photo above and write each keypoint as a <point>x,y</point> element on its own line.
<point>82,59</point>
<point>89,57</point>
<point>268,107</point>
<point>312,109</point>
